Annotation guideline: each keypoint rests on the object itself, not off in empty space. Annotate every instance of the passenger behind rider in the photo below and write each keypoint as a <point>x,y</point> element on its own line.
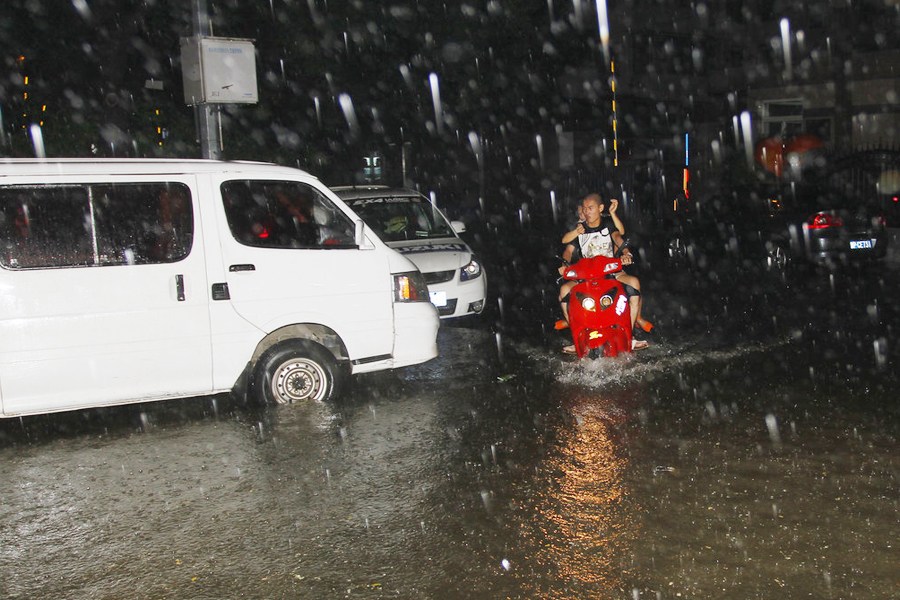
<point>593,237</point>
<point>617,223</point>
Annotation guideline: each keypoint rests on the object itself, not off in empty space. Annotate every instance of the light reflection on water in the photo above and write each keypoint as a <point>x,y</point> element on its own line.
<point>583,517</point>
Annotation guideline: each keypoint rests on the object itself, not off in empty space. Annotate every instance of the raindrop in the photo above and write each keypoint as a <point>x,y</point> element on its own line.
<point>328,475</point>
<point>747,136</point>
<point>37,139</point>
<point>553,207</point>
<point>505,564</point>
<point>82,7</point>
<point>318,104</point>
<point>880,352</point>
<point>494,453</point>
<point>539,142</point>
<point>407,77</point>
<point>475,143</point>
<point>436,100</point>
<point>603,26</point>
<point>349,113</point>
<point>786,46</point>
<point>772,426</point>
<point>499,347</point>
<point>145,421</point>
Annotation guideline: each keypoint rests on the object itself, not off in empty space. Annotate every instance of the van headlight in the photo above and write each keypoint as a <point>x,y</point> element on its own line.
<point>470,271</point>
<point>410,287</point>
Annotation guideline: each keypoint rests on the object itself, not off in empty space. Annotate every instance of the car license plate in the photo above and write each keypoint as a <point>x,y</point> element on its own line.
<point>861,244</point>
<point>439,299</point>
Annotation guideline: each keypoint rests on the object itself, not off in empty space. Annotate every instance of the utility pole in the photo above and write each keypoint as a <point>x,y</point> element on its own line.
<point>206,114</point>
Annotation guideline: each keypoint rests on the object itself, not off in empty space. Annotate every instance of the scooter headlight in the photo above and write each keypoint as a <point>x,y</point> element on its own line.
<point>606,301</point>
<point>588,303</point>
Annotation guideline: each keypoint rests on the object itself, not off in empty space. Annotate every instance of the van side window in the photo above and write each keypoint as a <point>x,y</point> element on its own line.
<point>284,214</point>
<point>83,225</point>
<point>142,223</point>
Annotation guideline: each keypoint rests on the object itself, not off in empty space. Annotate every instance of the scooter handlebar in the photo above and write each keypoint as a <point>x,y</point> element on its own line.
<point>592,268</point>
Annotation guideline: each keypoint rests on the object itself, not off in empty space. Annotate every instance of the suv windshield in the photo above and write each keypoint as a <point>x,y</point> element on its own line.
<point>396,218</point>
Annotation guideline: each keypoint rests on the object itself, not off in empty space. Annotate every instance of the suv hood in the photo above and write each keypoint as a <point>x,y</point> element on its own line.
<point>435,254</point>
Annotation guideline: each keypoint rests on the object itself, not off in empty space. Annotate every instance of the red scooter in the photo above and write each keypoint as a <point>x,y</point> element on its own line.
<point>599,314</point>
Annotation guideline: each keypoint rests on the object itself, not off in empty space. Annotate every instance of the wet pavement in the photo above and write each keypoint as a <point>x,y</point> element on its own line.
<point>752,452</point>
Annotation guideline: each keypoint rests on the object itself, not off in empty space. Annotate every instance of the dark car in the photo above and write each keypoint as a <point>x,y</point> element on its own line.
<point>834,215</point>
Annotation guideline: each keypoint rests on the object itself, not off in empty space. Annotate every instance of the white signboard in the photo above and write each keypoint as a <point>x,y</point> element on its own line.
<point>218,70</point>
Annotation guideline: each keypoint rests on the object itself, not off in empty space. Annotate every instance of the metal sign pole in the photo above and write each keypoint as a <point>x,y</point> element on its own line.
<point>205,113</point>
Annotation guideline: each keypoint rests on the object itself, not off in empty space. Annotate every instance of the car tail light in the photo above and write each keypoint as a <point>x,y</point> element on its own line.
<point>825,221</point>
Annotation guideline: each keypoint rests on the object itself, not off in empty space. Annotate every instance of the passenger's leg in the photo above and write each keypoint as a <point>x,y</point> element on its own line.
<point>564,298</point>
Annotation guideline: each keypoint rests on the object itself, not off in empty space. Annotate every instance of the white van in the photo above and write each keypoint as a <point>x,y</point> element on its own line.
<point>133,280</point>
<point>411,224</point>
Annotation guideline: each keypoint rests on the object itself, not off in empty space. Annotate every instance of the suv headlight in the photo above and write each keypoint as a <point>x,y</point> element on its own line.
<point>410,287</point>
<point>470,271</point>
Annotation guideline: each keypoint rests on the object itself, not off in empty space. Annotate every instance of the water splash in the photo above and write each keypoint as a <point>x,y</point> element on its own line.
<point>436,100</point>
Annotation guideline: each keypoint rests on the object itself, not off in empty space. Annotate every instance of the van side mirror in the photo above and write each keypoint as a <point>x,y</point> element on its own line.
<point>458,226</point>
<point>359,236</point>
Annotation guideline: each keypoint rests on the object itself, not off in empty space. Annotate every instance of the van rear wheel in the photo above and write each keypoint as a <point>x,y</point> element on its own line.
<point>297,371</point>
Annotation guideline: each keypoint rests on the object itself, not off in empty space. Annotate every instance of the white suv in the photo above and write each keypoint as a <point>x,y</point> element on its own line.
<point>410,223</point>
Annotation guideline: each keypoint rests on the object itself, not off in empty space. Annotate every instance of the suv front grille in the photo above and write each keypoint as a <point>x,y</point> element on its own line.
<point>438,276</point>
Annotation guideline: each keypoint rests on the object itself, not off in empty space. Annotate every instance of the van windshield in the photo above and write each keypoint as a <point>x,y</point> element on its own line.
<point>398,218</point>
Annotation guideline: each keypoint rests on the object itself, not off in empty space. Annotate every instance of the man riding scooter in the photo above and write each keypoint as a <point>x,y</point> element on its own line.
<point>598,240</point>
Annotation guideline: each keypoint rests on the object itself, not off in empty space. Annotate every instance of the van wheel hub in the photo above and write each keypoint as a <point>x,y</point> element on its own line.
<point>298,380</point>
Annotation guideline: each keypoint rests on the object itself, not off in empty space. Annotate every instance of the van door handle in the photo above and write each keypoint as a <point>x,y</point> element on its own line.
<point>243,267</point>
<point>179,287</point>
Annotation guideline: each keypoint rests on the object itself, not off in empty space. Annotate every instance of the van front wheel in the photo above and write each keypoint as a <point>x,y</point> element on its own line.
<point>296,372</point>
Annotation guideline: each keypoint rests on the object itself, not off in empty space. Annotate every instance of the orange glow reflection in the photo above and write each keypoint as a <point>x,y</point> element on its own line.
<point>583,526</point>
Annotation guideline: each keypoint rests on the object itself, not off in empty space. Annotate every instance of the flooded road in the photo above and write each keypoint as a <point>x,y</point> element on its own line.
<point>742,456</point>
